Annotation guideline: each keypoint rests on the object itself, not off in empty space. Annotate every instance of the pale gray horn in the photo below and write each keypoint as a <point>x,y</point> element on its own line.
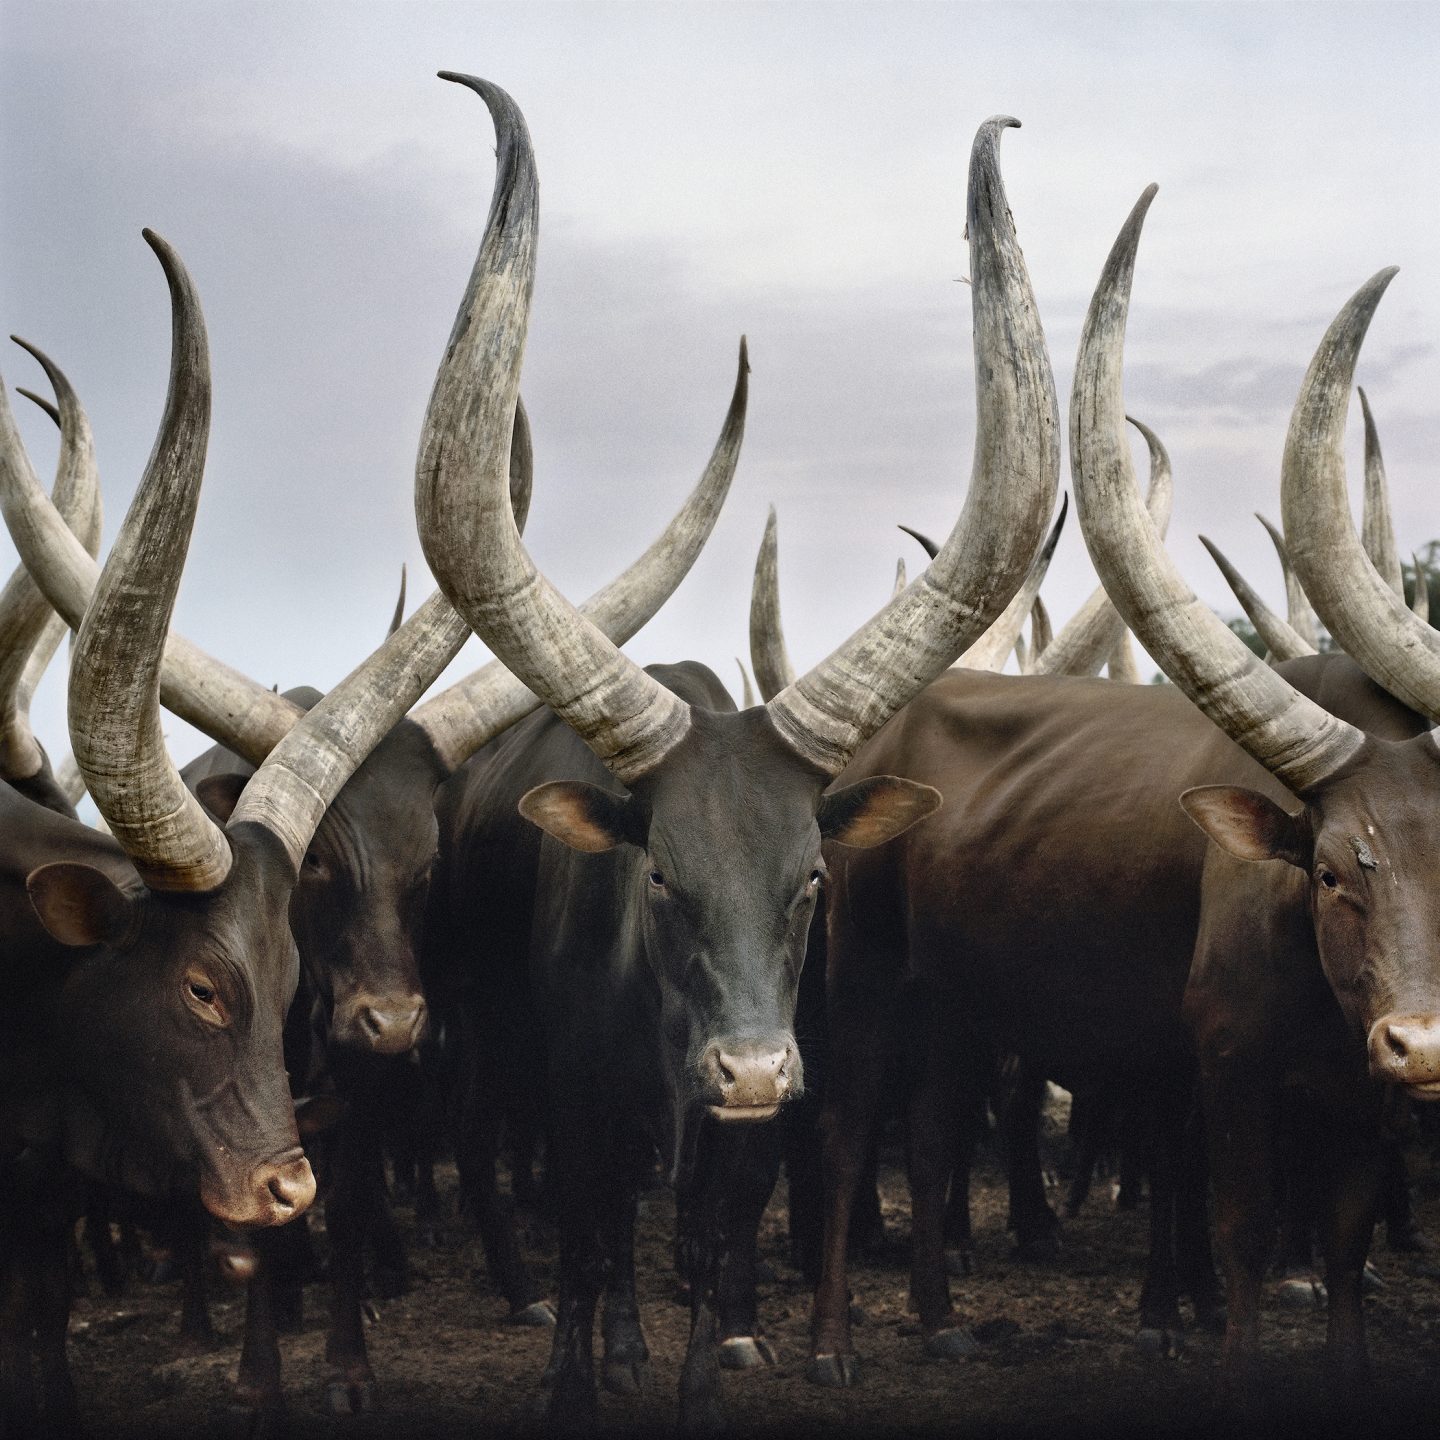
<point>1369,621</point>
<point>1279,639</point>
<point>1022,655</point>
<point>473,711</point>
<point>1377,527</point>
<point>992,649</point>
<point>224,704</point>
<point>1121,666</point>
<point>1420,598</point>
<point>462,503</point>
<point>399,616</point>
<point>116,658</point>
<point>1298,610</point>
<point>901,579</point>
<point>827,713</point>
<point>1042,632</point>
<point>1294,738</point>
<point>768,657</point>
<point>747,692</point>
<point>1089,638</point>
<point>30,630</point>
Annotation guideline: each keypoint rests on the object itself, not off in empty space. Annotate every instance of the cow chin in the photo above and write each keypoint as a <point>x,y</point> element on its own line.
<point>271,1194</point>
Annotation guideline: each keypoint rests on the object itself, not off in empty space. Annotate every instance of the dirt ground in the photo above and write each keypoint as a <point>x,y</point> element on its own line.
<point>1057,1350</point>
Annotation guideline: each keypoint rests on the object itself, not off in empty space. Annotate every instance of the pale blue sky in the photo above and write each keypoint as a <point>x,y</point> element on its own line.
<point>794,172</point>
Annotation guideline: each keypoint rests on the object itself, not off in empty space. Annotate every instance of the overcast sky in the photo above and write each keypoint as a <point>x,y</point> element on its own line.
<point>791,172</point>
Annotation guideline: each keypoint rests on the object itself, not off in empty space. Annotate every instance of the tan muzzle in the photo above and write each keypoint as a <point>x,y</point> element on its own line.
<point>747,1081</point>
<point>1405,1050</point>
<point>275,1192</point>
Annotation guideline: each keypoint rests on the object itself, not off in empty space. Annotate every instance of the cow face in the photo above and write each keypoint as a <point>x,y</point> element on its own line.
<point>357,910</point>
<point>725,871</point>
<point>1368,841</point>
<point>171,1028</point>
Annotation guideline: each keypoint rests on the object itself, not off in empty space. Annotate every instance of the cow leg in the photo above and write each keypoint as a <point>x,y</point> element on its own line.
<point>259,1403</point>
<point>50,1307</point>
<point>19,1414</point>
<point>1348,1224</point>
<point>1160,1294</point>
<point>958,1236</point>
<point>626,1364</point>
<point>934,1122</point>
<point>1240,1131</point>
<point>109,1261</point>
<point>750,1185</point>
<point>193,1245</point>
<point>846,1126</point>
<point>804,1190</point>
<point>387,1245</point>
<point>1194,1256</point>
<point>349,1216</point>
<point>1033,1221</point>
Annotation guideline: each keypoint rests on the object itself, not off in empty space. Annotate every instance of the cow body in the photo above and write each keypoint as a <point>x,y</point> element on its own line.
<point>1072,944</point>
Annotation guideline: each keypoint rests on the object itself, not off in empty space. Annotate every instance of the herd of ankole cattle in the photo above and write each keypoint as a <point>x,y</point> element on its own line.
<point>566,904</point>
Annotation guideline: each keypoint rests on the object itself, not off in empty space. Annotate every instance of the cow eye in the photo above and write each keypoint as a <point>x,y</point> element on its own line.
<point>657,879</point>
<point>1328,880</point>
<point>203,993</point>
<point>816,876</point>
<point>312,860</point>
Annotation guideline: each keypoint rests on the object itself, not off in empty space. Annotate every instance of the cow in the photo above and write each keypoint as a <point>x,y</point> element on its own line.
<point>356,911</point>
<point>680,862</point>
<point>148,975</point>
<point>1314,960</point>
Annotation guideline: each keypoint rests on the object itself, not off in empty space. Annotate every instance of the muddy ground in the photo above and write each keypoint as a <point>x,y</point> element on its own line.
<point>1057,1354</point>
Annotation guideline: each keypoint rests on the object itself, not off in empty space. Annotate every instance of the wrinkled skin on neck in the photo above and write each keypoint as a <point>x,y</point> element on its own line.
<point>359,905</point>
<point>159,1059</point>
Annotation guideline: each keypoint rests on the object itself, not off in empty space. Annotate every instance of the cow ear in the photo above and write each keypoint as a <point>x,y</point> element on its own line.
<point>80,905</point>
<point>220,794</point>
<point>875,810</point>
<point>582,816</point>
<point>1247,824</point>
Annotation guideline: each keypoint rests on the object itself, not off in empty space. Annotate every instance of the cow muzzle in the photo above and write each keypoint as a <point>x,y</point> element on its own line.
<point>1405,1050</point>
<point>274,1192</point>
<point>381,1024</point>
<point>748,1080</point>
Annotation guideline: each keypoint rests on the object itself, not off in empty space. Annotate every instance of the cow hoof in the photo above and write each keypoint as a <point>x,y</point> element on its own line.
<point>1301,1293</point>
<point>951,1343</point>
<point>746,1352</point>
<point>349,1397</point>
<point>538,1315</point>
<point>626,1377</point>
<point>1160,1341</point>
<point>834,1372</point>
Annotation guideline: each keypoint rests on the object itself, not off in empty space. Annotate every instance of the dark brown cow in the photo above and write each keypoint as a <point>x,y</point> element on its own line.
<point>674,886</point>
<point>149,976</point>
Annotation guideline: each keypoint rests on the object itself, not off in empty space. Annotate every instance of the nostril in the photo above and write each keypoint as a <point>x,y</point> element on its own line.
<point>1396,1042</point>
<point>281,1192</point>
<point>727,1075</point>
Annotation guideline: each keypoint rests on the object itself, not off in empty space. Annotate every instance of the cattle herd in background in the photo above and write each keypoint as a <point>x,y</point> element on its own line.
<point>565,906</point>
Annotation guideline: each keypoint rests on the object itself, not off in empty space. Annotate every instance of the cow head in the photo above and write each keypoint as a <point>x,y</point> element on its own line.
<point>723,814</point>
<point>725,868</point>
<point>1366,837</point>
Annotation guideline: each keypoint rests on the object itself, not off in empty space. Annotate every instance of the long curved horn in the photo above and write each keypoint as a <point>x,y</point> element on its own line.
<point>1420,599</point>
<point>462,503</point>
<point>1280,640</point>
<point>1089,638</point>
<point>829,711</point>
<point>30,630</point>
<point>397,619</point>
<point>1377,528</point>
<point>992,649</point>
<point>1022,655</point>
<point>1121,666</point>
<point>768,656</point>
<point>1298,610</point>
<point>69,779</point>
<point>1369,621</point>
<point>1297,741</point>
<point>522,466</point>
<point>476,709</point>
<point>116,660</point>
<point>224,704</point>
<point>289,793</point>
